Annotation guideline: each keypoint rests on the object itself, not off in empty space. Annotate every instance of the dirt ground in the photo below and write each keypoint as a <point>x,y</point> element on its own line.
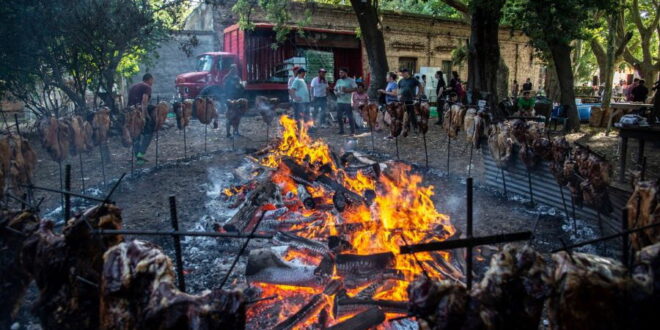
<point>196,182</point>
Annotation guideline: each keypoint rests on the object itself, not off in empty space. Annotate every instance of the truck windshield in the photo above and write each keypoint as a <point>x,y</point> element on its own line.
<point>204,63</point>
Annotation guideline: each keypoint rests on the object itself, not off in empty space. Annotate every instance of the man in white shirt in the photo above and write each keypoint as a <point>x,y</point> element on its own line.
<point>320,97</point>
<point>291,79</point>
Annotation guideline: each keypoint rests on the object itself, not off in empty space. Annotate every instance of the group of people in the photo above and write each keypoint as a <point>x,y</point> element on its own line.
<point>635,92</point>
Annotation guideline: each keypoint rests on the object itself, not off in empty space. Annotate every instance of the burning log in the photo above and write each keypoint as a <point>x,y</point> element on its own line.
<point>15,228</point>
<point>301,243</point>
<point>311,308</point>
<point>347,305</point>
<point>138,292</point>
<point>266,192</point>
<point>305,197</point>
<point>266,266</point>
<point>355,264</point>
<point>365,320</point>
<point>59,262</point>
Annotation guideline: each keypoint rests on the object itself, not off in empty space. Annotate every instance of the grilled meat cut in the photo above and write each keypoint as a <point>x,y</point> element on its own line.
<point>500,143</point>
<point>204,109</point>
<point>138,292</point>
<point>369,113</point>
<point>54,138</point>
<point>101,126</point>
<point>15,226</point>
<point>266,107</point>
<point>159,115</point>
<point>22,162</point>
<point>183,112</point>
<point>396,112</point>
<point>78,143</point>
<point>57,262</point>
<point>453,119</point>
<point>438,304</point>
<point>236,109</point>
<point>133,125</point>
<point>644,209</point>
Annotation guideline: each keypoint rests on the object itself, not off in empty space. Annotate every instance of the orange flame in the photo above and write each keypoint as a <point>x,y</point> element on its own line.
<point>402,212</point>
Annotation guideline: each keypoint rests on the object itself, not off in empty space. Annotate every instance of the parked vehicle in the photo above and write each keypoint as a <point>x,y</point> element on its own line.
<point>265,69</point>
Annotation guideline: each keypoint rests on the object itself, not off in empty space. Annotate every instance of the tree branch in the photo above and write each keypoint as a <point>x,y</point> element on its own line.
<point>460,7</point>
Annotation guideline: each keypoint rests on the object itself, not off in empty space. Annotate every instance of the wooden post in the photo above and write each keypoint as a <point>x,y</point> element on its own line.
<point>177,244</point>
<point>67,197</point>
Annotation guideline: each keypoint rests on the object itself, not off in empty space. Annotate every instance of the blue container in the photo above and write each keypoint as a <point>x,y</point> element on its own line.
<point>584,110</point>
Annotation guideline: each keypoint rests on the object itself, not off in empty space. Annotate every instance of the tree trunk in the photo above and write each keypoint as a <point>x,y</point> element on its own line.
<point>609,64</point>
<point>503,81</point>
<point>484,51</point>
<point>601,59</point>
<point>561,55</point>
<point>372,36</point>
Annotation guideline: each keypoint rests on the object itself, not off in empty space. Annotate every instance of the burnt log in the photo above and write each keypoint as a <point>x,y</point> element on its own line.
<point>371,317</point>
<point>266,266</point>
<point>355,264</point>
<point>311,308</point>
<point>344,304</point>
<point>266,192</point>
<point>301,243</point>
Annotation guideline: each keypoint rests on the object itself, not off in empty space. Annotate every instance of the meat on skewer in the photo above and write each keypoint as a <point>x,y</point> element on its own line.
<point>101,126</point>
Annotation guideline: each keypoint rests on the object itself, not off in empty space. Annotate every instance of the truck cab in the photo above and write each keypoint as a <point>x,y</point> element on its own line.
<point>207,79</point>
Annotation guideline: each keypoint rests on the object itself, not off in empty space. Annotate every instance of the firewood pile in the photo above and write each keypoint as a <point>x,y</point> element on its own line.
<point>90,281</point>
<point>581,291</point>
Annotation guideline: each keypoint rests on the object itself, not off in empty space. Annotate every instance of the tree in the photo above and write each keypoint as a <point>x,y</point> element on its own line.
<point>77,46</point>
<point>645,16</point>
<point>552,26</point>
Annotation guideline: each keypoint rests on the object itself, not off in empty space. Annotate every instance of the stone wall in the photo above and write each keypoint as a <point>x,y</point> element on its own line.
<point>170,60</point>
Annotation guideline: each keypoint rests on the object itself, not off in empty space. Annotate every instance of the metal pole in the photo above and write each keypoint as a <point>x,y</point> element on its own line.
<point>157,147</point>
<point>563,201</point>
<point>62,191</point>
<point>267,133</point>
<point>643,174</point>
<point>426,153</point>
<point>177,244</point>
<point>177,233</point>
<point>102,161</point>
<point>529,182</point>
<point>82,172</point>
<point>624,243</point>
<point>396,141</point>
<point>373,147</point>
<point>503,182</point>
<point>132,157</point>
<point>247,241</point>
<point>470,162</point>
<point>18,129</point>
<point>61,186</point>
<point>448,148</point>
<point>573,206</point>
<point>205,129</point>
<point>185,144</point>
<point>468,255</point>
<point>67,197</point>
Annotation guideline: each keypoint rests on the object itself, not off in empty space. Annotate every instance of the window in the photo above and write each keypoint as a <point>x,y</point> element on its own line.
<point>409,63</point>
<point>204,63</point>
<point>225,62</point>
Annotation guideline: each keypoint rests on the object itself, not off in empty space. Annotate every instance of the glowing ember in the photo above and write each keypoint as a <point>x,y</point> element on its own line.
<point>400,212</point>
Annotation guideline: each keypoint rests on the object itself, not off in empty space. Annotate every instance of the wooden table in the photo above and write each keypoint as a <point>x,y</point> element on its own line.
<point>624,107</point>
<point>642,134</point>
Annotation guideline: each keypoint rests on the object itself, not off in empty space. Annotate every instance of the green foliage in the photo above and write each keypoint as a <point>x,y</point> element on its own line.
<point>554,21</point>
<point>74,46</point>
<point>436,8</point>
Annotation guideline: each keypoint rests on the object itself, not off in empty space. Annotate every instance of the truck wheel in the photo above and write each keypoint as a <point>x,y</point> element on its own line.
<point>215,93</point>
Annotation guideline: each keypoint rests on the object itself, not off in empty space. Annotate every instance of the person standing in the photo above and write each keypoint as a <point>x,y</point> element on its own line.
<point>629,96</point>
<point>300,95</point>
<point>391,95</point>
<point>514,89</point>
<point>359,98</point>
<point>344,86</point>
<point>139,96</point>
<point>526,105</point>
<point>409,89</point>
<point>440,94</point>
<point>527,86</point>
<point>640,93</point>
<point>320,97</point>
<point>231,86</point>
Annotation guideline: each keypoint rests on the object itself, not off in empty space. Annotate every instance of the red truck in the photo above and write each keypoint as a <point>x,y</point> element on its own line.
<point>265,69</point>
